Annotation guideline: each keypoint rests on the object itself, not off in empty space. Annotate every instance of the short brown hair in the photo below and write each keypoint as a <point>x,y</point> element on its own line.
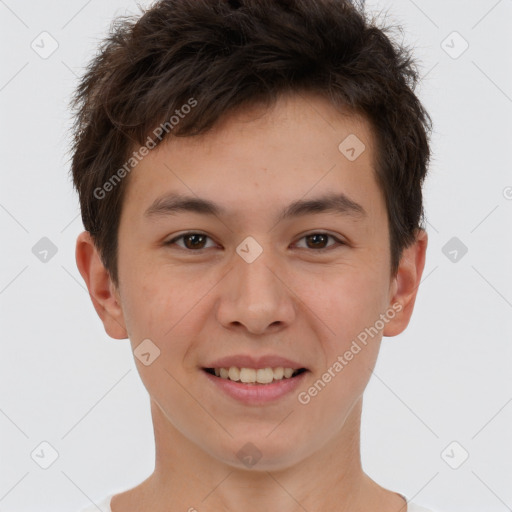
<point>225,54</point>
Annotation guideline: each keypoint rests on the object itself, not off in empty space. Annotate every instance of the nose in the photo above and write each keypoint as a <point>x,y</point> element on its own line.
<point>256,297</point>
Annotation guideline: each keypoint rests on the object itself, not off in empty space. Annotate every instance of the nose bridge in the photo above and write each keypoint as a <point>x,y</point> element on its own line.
<point>254,295</point>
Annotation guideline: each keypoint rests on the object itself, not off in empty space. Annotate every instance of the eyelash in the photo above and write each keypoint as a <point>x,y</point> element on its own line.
<point>338,241</point>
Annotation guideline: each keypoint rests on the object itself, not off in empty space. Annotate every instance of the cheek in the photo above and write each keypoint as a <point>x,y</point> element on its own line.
<point>350,308</point>
<point>350,347</point>
<point>168,310</point>
<point>349,302</point>
<point>150,298</point>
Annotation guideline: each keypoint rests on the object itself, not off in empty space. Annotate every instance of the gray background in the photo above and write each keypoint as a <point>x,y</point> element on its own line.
<point>445,380</point>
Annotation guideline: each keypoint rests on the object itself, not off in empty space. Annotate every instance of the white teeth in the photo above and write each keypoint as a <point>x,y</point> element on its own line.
<point>288,372</point>
<point>252,375</point>
<point>278,373</point>
<point>265,375</point>
<point>247,374</point>
<point>234,373</point>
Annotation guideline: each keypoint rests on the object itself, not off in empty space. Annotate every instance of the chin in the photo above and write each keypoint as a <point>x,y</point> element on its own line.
<point>260,452</point>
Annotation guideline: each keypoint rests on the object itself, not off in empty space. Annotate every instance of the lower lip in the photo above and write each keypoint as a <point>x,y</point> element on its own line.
<point>256,393</point>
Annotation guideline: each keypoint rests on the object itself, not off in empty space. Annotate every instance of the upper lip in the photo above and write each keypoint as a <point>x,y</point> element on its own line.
<point>246,361</point>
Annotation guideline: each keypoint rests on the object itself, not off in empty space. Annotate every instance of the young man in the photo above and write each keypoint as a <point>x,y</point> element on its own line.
<point>250,175</point>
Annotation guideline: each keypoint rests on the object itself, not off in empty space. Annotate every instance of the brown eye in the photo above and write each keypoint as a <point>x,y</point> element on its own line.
<point>318,241</point>
<point>191,241</point>
<point>194,241</point>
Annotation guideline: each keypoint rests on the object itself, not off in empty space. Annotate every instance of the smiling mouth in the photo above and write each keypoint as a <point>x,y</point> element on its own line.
<point>255,375</point>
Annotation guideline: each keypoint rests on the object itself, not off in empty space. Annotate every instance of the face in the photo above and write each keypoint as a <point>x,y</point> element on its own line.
<point>252,281</point>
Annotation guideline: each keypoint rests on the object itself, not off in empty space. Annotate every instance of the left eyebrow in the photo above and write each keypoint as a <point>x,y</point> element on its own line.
<point>333,203</point>
<point>172,203</point>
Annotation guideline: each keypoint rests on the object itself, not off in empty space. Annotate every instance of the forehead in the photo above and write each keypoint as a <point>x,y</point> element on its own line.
<point>300,146</point>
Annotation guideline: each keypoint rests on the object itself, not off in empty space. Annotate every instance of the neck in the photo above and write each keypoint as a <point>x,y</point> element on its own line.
<point>186,477</point>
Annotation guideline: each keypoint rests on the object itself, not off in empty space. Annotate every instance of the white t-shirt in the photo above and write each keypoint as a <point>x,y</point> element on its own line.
<point>104,506</point>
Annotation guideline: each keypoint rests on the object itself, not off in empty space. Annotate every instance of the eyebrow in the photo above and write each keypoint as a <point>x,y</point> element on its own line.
<point>173,203</point>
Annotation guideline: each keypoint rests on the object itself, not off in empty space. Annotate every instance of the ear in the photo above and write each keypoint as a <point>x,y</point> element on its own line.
<point>103,293</point>
<point>404,286</point>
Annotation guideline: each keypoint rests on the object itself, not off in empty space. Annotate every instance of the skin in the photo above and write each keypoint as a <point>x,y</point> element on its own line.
<point>292,301</point>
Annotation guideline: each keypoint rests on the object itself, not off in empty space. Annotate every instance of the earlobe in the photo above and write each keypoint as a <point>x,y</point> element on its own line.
<point>406,282</point>
<point>101,289</point>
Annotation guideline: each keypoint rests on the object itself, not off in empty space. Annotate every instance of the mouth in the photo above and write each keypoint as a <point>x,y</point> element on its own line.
<point>256,386</point>
<point>255,376</point>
